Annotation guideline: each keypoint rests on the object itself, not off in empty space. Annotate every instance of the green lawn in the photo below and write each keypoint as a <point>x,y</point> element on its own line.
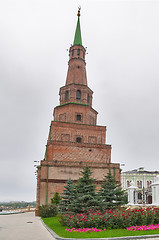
<point>54,224</point>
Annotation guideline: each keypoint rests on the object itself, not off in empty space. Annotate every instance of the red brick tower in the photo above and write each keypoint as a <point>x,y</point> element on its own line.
<point>74,139</point>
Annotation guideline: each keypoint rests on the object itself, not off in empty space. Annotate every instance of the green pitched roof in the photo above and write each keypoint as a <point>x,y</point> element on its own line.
<point>78,38</point>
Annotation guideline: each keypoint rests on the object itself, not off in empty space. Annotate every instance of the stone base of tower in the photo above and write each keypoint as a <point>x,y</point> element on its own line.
<point>54,176</point>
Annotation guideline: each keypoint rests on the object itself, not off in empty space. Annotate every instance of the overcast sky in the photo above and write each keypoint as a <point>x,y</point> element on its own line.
<point>122,40</point>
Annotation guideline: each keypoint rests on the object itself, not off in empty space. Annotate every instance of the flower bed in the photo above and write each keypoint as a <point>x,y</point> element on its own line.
<point>111,219</point>
<point>84,230</point>
<point>53,223</point>
<point>143,227</point>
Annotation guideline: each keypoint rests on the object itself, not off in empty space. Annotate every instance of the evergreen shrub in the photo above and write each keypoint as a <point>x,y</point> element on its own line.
<point>56,198</point>
<point>49,210</point>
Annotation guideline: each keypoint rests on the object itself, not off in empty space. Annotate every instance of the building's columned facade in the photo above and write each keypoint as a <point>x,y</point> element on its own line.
<point>74,140</point>
<point>142,180</point>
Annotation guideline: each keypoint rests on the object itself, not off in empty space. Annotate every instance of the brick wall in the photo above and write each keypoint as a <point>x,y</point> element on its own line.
<point>61,131</point>
<point>69,112</point>
<point>71,97</point>
<point>59,173</point>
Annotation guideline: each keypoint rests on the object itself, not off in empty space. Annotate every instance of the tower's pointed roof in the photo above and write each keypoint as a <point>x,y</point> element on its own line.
<point>78,38</point>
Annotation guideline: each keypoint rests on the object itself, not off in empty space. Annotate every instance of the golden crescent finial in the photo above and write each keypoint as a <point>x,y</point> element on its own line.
<point>79,9</point>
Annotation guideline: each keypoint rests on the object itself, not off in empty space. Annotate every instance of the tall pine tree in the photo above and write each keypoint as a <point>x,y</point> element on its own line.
<point>111,195</point>
<point>68,197</point>
<point>86,197</point>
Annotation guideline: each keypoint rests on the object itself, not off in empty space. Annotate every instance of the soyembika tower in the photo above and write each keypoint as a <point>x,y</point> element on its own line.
<point>74,140</point>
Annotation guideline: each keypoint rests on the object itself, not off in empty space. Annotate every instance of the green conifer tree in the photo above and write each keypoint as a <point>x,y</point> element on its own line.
<point>67,196</point>
<point>56,198</point>
<point>111,195</point>
<point>86,197</point>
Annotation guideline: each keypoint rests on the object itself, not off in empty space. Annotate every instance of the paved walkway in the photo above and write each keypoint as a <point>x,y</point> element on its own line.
<point>23,226</point>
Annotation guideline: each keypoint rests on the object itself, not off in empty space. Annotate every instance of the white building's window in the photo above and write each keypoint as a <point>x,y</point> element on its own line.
<point>149,184</point>
<point>139,184</point>
<point>128,183</point>
<point>139,196</point>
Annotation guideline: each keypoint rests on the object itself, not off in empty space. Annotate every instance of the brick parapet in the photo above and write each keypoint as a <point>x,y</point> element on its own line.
<point>79,125</point>
<point>83,145</point>
<point>80,164</point>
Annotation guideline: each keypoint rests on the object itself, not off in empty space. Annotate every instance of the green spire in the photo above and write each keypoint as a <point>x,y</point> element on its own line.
<point>78,38</point>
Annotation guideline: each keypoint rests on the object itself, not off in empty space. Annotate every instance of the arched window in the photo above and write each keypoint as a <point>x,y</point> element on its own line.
<point>128,183</point>
<point>88,98</point>
<point>139,184</point>
<point>78,139</point>
<point>78,94</point>
<point>78,52</point>
<point>149,184</point>
<point>72,52</point>
<point>66,95</point>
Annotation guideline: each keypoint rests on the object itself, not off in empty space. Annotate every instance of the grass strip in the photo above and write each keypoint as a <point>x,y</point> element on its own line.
<point>54,224</point>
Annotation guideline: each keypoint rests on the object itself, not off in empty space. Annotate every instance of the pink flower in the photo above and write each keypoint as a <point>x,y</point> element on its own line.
<point>143,228</point>
<point>85,230</point>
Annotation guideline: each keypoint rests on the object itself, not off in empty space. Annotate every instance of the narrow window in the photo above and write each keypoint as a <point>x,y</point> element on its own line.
<point>78,52</point>
<point>140,196</point>
<point>78,139</point>
<point>66,95</point>
<point>78,94</point>
<point>72,52</point>
<point>78,117</point>
<point>140,184</point>
<point>88,98</point>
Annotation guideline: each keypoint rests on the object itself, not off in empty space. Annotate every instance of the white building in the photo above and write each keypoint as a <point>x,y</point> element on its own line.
<point>142,180</point>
